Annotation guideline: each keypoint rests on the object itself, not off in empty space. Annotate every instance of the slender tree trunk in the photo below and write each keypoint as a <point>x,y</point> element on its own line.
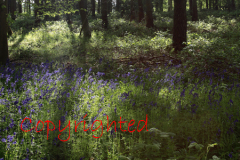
<point>169,5</point>
<point>19,6</point>
<point>104,13</point>
<point>161,5</point>
<point>207,4</point>
<point>83,14</point>
<point>99,6</point>
<point>179,24</point>
<point>3,33</point>
<point>195,11</point>
<point>132,15</point>
<point>109,4</point>
<point>233,6</point>
<point>190,7</point>
<point>93,7</point>
<point>216,4</point>
<point>140,11</point>
<point>157,5</point>
<point>149,16</point>
<point>118,5</point>
<point>36,8</point>
<point>29,7</point>
<point>123,8</point>
<point>12,8</point>
<point>210,4</point>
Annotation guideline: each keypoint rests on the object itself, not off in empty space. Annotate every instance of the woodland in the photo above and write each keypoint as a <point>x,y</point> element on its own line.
<point>119,79</point>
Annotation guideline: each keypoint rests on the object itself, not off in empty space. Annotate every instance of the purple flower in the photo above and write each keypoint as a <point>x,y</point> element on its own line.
<point>3,140</point>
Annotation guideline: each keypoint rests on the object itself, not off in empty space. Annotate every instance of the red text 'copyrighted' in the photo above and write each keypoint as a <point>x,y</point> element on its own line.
<point>76,125</point>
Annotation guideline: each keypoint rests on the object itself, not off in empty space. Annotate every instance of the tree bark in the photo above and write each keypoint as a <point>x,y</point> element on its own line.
<point>169,5</point>
<point>104,11</point>
<point>36,9</point>
<point>207,4</point>
<point>19,6</point>
<point>83,14</point>
<point>140,12</point>
<point>194,10</point>
<point>109,5</point>
<point>93,7</point>
<point>233,7</point>
<point>12,8</point>
<point>118,5</point>
<point>149,16</point>
<point>3,33</point>
<point>216,5</point>
<point>161,5</point>
<point>179,25</point>
<point>132,15</point>
<point>190,7</point>
<point>99,6</point>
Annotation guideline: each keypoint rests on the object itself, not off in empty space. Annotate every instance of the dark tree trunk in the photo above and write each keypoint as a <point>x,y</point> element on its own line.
<point>99,6</point>
<point>210,4</point>
<point>161,5</point>
<point>179,25</point>
<point>3,33</point>
<point>13,8</point>
<point>19,6</point>
<point>149,16</point>
<point>123,8</point>
<point>195,11</point>
<point>29,7</point>
<point>233,7</point>
<point>157,5</point>
<point>68,16</point>
<point>93,7</point>
<point>216,5</point>
<point>118,5</point>
<point>109,5</point>
<point>190,7</point>
<point>169,5</point>
<point>36,5</point>
<point>140,12</point>
<point>83,14</point>
<point>132,15</point>
<point>104,11</point>
<point>207,4</point>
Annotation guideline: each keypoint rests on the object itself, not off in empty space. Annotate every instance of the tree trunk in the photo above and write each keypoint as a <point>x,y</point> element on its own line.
<point>109,5</point>
<point>83,14</point>
<point>19,6</point>
<point>161,5</point>
<point>132,15</point>
<point>216,5</point>
<point>149,16</point>
<point>210,4</point>
<point>29,7</point>
<point>207,4</point>
<point>140,12</point>
<point>3,33</point>
<point>194,10</point>
<point>157,5</point>
<point>169,5</point>
<point>99,6</point>
<point>93,7</point>
<point>179,25</point>
<point>118,5</point>
<point>104,13</point>
<point>233,7</point>
<point>36,5</point>
<point>12,8</point>
<point>190,7</point>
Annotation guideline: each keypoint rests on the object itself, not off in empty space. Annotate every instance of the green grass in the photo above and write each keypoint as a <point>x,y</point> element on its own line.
<point>190,107</point>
